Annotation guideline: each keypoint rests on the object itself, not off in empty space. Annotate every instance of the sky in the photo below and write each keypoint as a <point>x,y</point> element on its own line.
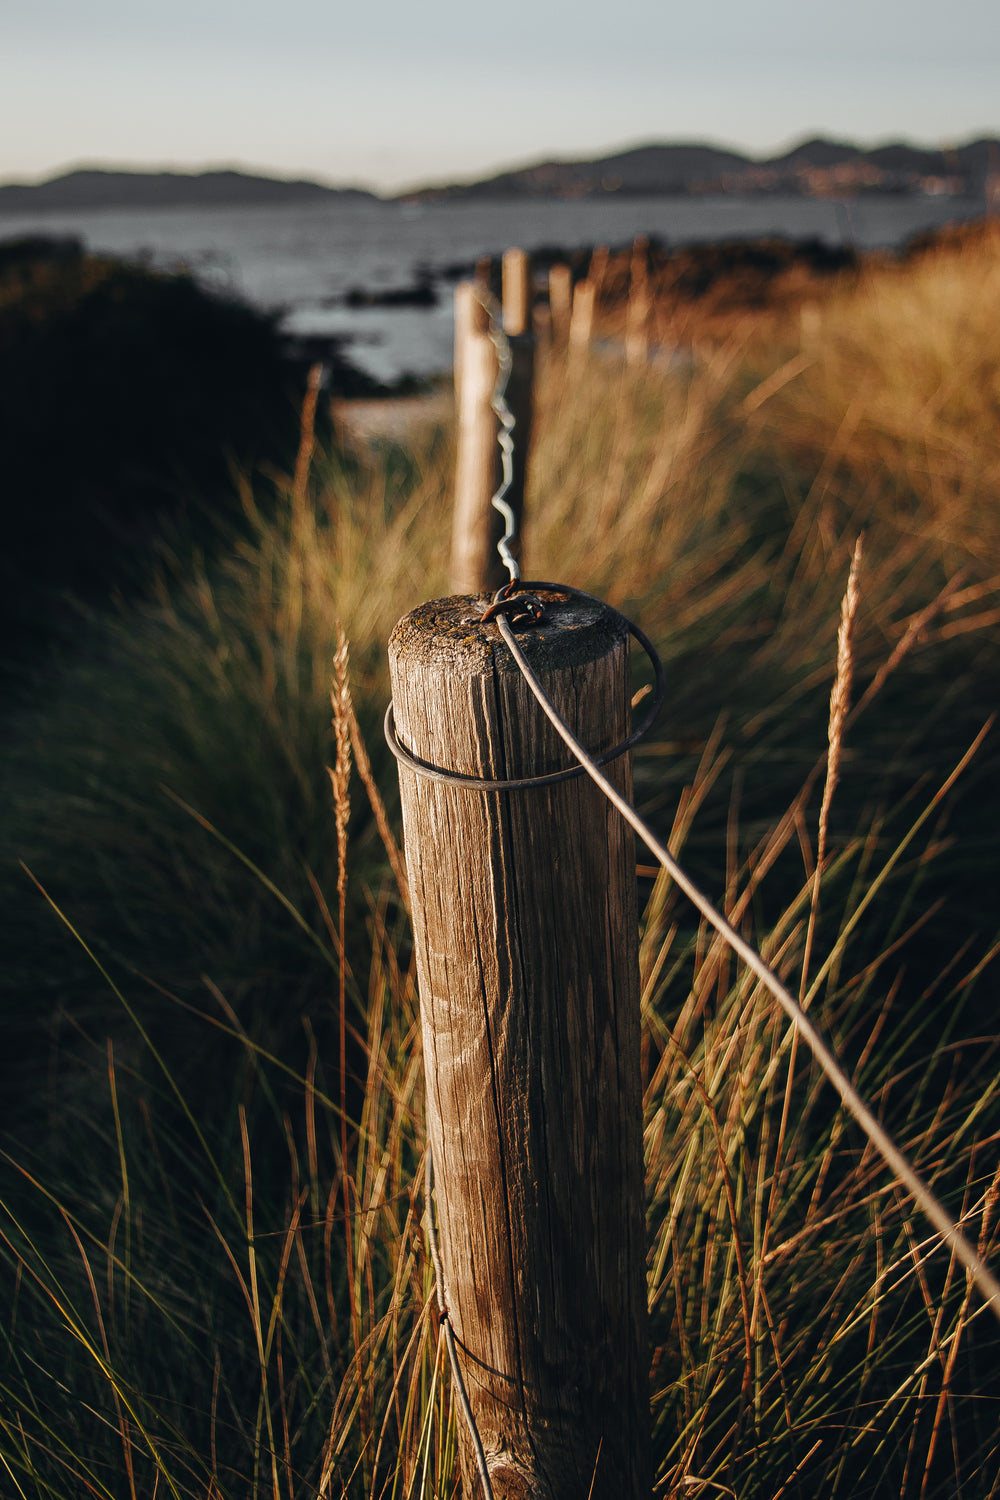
<point>392,93</point>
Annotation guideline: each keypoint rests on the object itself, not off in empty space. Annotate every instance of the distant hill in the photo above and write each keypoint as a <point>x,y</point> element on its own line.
<point>646,169</point>
<point>814,168</point>
<point>90,188</point>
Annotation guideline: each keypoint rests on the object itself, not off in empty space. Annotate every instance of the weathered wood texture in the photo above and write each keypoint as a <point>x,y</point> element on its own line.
<point>524,913</point>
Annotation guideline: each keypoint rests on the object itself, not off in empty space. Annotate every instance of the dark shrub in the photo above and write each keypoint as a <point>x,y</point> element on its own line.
<point>126,397</point>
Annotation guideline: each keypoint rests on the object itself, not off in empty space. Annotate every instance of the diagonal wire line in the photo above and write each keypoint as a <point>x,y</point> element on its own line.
<point>852,1100</point>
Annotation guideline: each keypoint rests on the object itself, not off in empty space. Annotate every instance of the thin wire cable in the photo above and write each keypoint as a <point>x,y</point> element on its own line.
<point>449,1337</point>
<point>505,438</point>
<point>852,1100</point>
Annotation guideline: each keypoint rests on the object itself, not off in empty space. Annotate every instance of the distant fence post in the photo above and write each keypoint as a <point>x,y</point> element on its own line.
<point>525,924</point>
<point>598,270</point>
<point>470,319</point>
<point>581,327</point>
<point>477,526</point>
<point>477,453</point>
<point>516,272</point>
<point>560,302</point>
<point>517,325</point>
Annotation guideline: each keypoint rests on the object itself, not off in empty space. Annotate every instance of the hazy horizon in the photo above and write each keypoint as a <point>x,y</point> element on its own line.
<point>403,96</point>
<point>492,169</point>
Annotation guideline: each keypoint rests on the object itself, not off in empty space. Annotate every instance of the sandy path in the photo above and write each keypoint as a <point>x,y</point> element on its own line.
<point>396,417</point>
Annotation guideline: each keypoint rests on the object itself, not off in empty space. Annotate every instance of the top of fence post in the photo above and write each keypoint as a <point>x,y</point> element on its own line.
<point>516,293</point>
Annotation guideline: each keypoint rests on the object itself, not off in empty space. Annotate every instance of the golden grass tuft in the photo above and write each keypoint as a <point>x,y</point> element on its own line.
<point>216,1278</point>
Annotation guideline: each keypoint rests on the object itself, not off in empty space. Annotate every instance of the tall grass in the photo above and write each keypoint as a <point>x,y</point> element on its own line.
<point>216,1280</point>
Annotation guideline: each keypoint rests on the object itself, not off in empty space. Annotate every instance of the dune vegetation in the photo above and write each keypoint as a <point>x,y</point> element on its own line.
<point>216,1278</point>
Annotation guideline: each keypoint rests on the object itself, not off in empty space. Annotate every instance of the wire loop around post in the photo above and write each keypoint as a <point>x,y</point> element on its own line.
<point>480,784</point>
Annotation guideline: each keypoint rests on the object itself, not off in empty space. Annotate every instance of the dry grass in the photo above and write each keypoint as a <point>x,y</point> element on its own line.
<point>217,1282</point>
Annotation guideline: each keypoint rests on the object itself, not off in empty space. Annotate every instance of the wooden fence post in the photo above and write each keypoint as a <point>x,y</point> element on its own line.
<point>600,255</point>
<point>525,924</point>
<point>470,319</point>
<point>477,454</point>
<point>560,302</point>
<point>517,325</point>
<point>581,326</point>
<point>477,527</point>
<point>516,272</point>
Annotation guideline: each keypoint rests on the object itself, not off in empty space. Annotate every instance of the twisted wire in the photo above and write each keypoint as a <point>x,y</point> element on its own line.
<point>505,437</point>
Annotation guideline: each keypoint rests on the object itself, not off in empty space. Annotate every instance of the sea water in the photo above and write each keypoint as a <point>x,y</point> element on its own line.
<point>302,259</point>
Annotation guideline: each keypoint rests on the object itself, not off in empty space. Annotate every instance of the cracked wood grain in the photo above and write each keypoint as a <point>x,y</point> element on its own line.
<point>524,913</point>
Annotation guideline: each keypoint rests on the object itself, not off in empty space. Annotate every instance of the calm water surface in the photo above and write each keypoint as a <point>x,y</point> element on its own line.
<point>301,259</point>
